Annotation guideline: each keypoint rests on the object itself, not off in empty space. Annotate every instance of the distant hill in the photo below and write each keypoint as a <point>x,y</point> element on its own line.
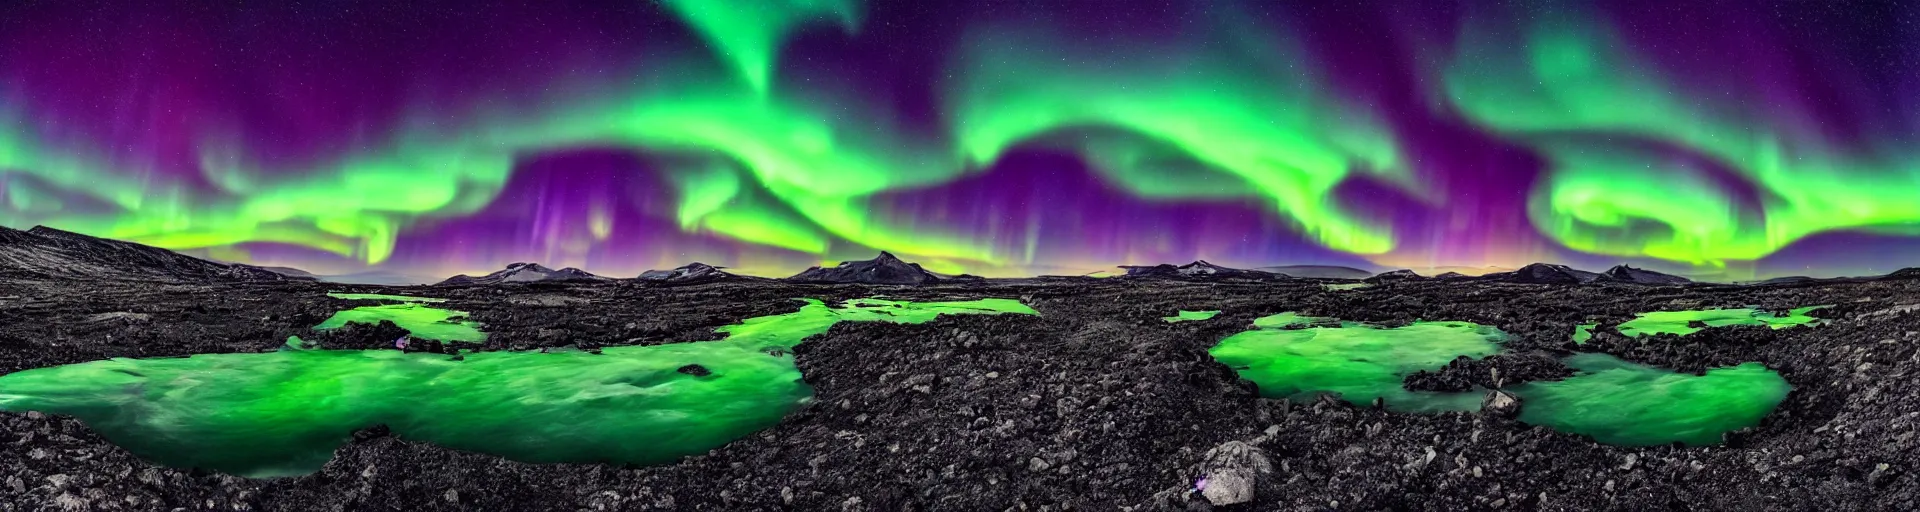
<point>1626,274</point>
<point>692,273</point>
<point>287,271</point>
<point>882,269</point>
<point>1318,271</point>
<point>1199,269</point>
<point>52,253</point>
<point>1905,273</point>
<point>1394,276</point>
<point>522,273</point>
<point>1543,273</point>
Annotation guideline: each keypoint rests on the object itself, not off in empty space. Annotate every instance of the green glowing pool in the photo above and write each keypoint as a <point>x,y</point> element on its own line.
<point>419,320</point>
<point>1357,362</point>
<point>1621,403</point>
<point>1190,316</point>
<point>1678,322</point>
<point>1582,333</point>
<point>283,413</point>
<point>1299,357</point>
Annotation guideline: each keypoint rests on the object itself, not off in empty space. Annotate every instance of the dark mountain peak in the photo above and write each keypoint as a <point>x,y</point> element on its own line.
<point>1198,269</point>
<point>1544,273</point>
<point>522,272</point>
<point>1627,274</point>
<point>882,269</point>
<point>47,231</point>
<point>14,236</point>
<point>48,252</point>
<point>691,273</point>
<point>1394,276</point>
<point>1451,276</point>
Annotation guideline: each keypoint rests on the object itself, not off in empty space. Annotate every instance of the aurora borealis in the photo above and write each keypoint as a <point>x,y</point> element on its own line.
<point>1728,139</point>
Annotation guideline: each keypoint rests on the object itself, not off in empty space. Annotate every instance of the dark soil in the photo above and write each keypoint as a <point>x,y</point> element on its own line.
<point>1096,405</point>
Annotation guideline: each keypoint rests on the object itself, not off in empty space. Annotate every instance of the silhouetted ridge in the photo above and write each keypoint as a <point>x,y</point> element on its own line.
<point>1199,269</point>
<point>1905,273</point>
<point>1543,273</point>
<point>1626,274</point>
<point>522,273</point>
<point>883,269</point>
<point>1317,271</point>
<point>692,273</point>
<point>1394,276</point>
<point>48,252</point>
<point>1447,276</point>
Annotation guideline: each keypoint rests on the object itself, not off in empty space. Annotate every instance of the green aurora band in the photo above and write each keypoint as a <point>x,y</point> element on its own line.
<point>1579,90</point>
<point>757,163</point>
<point>794,165</point>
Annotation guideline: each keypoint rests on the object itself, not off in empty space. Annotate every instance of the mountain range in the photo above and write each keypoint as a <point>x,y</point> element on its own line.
<point>48,253</point>
<point>521,273</point>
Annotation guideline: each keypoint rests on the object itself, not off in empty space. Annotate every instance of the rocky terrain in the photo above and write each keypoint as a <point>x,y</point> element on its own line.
<point>1096,404</point>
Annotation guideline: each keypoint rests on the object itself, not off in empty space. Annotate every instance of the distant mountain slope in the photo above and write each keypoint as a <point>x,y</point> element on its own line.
<point>1394,276</point>
<point>882,269</point>
<point>1543,273</point>
<point>48,252</point>
<point>692,273</point>
<point>1199,269</point>
<point>1318,271</point>
<point>522,273</point>
<point>1626,274</point>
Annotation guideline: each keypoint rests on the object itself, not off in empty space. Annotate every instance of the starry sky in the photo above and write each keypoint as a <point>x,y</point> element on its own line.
<point>1721,139</point>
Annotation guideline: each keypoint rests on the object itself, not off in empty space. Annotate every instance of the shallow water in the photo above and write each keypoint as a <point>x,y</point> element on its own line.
<point>1190,316</point>
<point>1622,403</point>
<point>1358,362</point>
<point>283,413</point>
<point>1582,333</point>
<point>1616,402</point>
<point>1676,322</point>
<point>419,320</point>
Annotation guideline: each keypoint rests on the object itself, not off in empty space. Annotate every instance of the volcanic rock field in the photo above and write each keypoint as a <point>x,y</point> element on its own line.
<point>1095,403</point>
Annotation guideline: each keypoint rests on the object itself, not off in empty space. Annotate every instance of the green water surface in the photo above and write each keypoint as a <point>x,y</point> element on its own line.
<point>283,413</point>
<point>1622,403</point>
<point>1190,316</point>
<point>1616,402</point>
<point>419,320</point>
<point>1583,332</point>
<point>1357,362</point>
<point>1675,322</point>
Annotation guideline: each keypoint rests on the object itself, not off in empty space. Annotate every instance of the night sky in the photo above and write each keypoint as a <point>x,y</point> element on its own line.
<point>1730,140</point>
